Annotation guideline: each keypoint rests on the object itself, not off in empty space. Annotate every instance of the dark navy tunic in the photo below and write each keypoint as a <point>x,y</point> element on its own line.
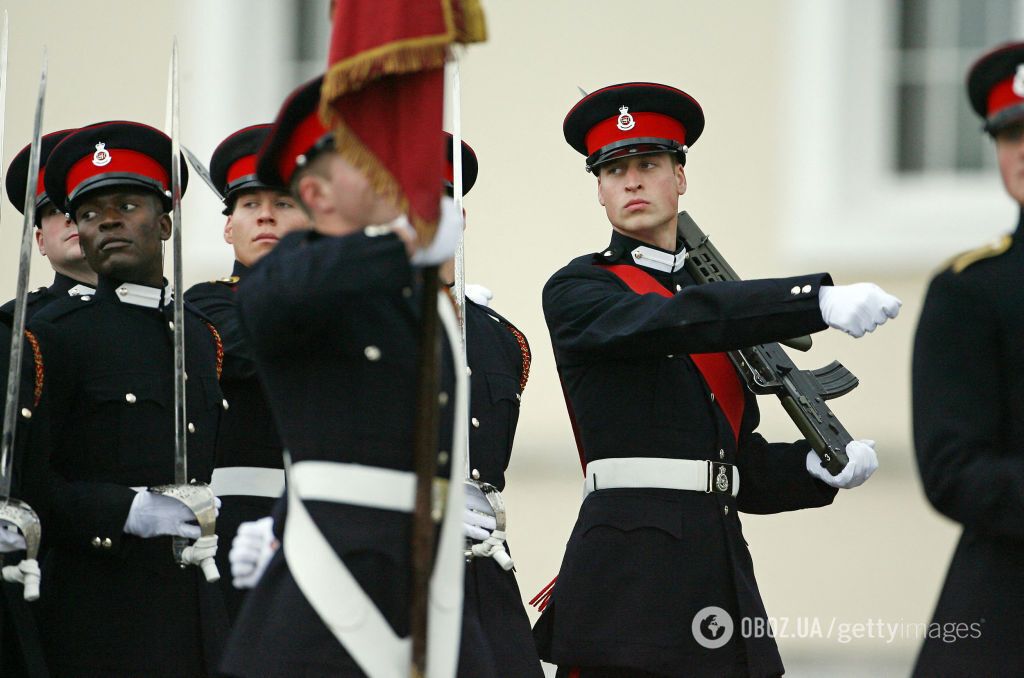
<point>968,387</point>
<point>247,435</point>
<point>496,639</point>
<point>116,604</point>
<point>641,563</point>
<point>61,287</point>
<point>332,323</point>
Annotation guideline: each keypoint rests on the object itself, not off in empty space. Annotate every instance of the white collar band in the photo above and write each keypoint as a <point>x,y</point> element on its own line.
<point>143,295</point>
<point>649,257</point>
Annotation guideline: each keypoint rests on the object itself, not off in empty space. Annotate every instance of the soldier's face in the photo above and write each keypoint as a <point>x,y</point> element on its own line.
<point>57,238</point>
<point>122,234</point>
<point>640,195</point>
<point>1010,152</point>
<point>260,219</point>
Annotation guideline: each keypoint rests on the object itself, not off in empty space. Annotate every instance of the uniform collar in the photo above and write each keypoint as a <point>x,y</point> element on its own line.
<point>239,270</point>
<point>134,293</point>
<point>63,284</point>
<point>624,249</point>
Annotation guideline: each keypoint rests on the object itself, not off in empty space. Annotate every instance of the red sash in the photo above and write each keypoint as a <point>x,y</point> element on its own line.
<point>716,368</point>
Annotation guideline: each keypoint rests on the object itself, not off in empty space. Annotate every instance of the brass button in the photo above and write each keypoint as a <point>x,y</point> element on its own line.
<point>795,290</point>
<point>721,454</point>
<point>406,292</point>
<point>130,398</point>
<point>475,422</point>
<point>107,543</point>
<point>469,371</point>
<point>191,427</point>
<point>96,542</point>
<point>170,325</point>
<point>442,457</point>
<point>712,397</point>
<point>806,289</point>
<point>679,288</point>
<point>224,403</point>
<point>122,291</point>
<point>725,510</point>
<point>475,475</point>
<point>27,413</point>
<point>372,353</point>
<point>442,398</point>
<point>85,297</point>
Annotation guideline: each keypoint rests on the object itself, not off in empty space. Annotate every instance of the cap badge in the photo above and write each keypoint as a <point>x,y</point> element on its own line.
<point>102,156</point>
<point>625,122</point>
<point>1018,81</point>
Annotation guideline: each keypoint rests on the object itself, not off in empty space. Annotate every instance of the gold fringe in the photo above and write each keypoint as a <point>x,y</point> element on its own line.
<point>395,58</point>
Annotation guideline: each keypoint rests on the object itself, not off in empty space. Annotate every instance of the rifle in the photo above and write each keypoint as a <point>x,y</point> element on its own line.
<point>767,369</point>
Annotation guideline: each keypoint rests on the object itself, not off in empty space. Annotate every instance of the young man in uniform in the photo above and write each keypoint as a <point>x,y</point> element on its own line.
<point>331,317</point>
<point>496,638</point>
<point>116,602</point>
<point>248,476</point>
<point>657,556</point>
<point>968,390</point>
<point>56,233</point>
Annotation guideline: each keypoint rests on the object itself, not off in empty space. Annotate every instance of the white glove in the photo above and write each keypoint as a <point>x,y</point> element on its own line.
<point>446,240</point>
<point>479,294</point>
<point>154,515</point>
<point>862,463</point>
<point>251,550</point>
<point>478,517</point>
<point>10,538</point>
<point>858,308</point>
<point>25,573</point>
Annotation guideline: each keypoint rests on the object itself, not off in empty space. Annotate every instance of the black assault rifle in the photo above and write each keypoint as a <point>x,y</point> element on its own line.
<point>768,369</point>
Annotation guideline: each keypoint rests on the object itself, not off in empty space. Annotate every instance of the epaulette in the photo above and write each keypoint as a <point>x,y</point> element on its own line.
<point>229,280</point>
<point>993,249</point>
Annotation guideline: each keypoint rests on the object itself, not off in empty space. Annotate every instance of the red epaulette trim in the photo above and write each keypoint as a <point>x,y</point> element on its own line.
<point>220,348</point>
<point>524,348</point>
<point>40,372</point>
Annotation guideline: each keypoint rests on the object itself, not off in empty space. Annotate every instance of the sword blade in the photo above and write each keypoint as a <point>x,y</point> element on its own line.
<point>24,265</point>
<point>180,440</point>
<point>199,168</point>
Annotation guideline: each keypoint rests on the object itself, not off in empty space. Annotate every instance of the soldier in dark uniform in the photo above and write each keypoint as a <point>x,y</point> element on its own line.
<point>968,394</point>
<point>248,476</point>
<point>331,317</point>
<point>667,439</point>
<point>496,638</point>
<point>116,602</point>
<point>56,234</point>
<point>21,652</point>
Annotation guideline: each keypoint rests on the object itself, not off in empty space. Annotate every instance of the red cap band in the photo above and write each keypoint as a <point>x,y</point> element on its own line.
<point>40,187</point>
<point>303,138</point>
<point>645,124</point>
<point>121,161</point>
<point>243,167</point>
<point>1002,96</point>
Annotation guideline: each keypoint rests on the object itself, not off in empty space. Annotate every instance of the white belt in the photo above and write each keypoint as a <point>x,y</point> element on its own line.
<point>370,486</point>
<point>251,481</point>
<point>670,474</point>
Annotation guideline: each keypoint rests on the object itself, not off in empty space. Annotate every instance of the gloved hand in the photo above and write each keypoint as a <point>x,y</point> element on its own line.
<point>251,550</point>
<point>479,294</point>
<point>862,463</point>
<point>478,518</point>
<point>858,308</point>
<point>155,515</point>
<point>10,538</point>
<point>25,573</point>
<point>446,240</point>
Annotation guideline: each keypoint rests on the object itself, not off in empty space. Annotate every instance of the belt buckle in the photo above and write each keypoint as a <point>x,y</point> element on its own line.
<point>719,478</point>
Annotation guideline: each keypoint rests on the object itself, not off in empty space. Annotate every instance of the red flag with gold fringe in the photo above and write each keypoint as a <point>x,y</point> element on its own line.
<point>383,93</point>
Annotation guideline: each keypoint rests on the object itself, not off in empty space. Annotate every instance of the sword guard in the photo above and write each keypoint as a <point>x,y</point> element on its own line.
<point>21,515</point>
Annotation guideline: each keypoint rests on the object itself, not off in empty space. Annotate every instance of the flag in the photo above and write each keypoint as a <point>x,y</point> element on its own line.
<point>383,94</point>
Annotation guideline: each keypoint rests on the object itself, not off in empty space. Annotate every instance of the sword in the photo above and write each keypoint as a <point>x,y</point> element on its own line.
<point>14,510</point>
<point>199,168</point>
<point>198,497</point>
